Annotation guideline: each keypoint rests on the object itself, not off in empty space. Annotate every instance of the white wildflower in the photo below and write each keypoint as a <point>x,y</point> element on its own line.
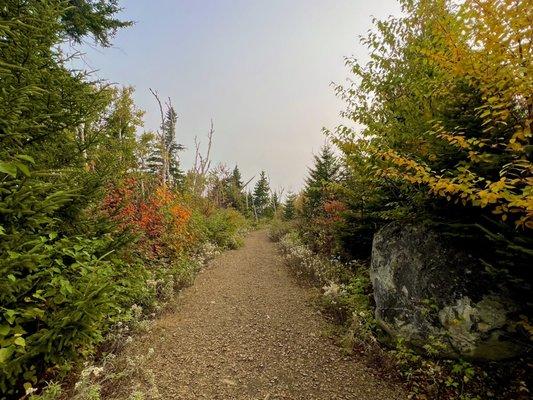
<point>332,289</point>
<point>97,371</point>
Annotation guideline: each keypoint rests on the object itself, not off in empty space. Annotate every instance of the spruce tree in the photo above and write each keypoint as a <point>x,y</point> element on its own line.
<point>261,195</point>
<point>96,19</point>
<point>249,204</point>
<point>236,178</point>
<point>234,190</point>
<point>164,160</point>
<point>175,174</point>
<point>274,203</point>
<point>53,248</point>
<point>289,211</point>
<point>325,171</point>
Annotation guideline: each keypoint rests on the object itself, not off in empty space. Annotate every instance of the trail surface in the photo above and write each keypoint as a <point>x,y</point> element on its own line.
<point>245,330</point>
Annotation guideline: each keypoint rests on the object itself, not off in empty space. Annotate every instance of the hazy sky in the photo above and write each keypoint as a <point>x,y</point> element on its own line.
<point>260,68</point>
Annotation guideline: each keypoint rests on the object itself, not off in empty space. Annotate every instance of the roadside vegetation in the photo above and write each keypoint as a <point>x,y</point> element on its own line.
<point>99,222</point>
<point>439,135</point>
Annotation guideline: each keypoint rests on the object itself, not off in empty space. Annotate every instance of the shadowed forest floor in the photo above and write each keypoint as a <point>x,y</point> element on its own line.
<point>245,330</point>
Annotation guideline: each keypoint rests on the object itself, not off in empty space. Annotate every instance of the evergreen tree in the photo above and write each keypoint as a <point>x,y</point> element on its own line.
<point>325,171</point>
<point>249,204</point>
<point>274,203</point>
<point>236,178</point>
<point>289,211</point>
<point>53,248</point>
<point>234,193</point>
<point>96,19</point>
<point>175,173</point>
<point>164,160</point>
<point>261,195</point>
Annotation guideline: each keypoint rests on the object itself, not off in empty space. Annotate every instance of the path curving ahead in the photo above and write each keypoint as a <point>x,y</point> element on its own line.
<point>245,330</point>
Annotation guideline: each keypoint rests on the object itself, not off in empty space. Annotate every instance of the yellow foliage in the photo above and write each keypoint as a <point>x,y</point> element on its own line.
<point>493,51</point>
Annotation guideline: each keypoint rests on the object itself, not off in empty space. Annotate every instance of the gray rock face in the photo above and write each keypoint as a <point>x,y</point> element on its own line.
<point>429,293</point>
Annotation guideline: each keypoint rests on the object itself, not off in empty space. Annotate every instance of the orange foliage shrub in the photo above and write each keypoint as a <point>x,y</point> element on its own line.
<point>333,210</point>
<point>158,218</point>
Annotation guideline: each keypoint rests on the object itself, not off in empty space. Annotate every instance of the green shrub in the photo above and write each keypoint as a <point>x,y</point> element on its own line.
<point>60,293</point>
<point>315,267</point>
<point>185,271</point>
<point>342,301</point>
<point>224,228</point>
<point>279,228</point>
<point>59,298</point>
<point>70,273</point>
<point>51,392</point>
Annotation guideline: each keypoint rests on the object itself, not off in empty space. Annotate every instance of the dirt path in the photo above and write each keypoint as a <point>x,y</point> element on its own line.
<point>246,331</point>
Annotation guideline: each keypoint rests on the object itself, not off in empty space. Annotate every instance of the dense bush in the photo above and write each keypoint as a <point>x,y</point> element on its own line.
<point>63,293</point>
<point>96,226</point>
<point>445,126</point>
<point>224,227</point>
<point>442,136</point>
<point>317,268</point>
<point>59,304</point>
<point>56,270</point>
<point>279,228</point>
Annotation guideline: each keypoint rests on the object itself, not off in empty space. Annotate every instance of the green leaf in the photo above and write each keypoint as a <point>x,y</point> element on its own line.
<point>25,158</point>
<point>20,342</point>
<point>5,353</point>
<point>8,168</point>
<point>33,313</point>
<point>4,330</point>
<point>23,168</point>
<point>10,316</point>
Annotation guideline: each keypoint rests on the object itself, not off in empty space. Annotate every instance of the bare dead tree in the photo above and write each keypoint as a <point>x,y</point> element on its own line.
<point>247,195</point>
<point>202,164</point>
<point>196,154</point>
<point>161,137</point>
<point>255,212</point>
<point>81,138</point>
<point>278,193</point>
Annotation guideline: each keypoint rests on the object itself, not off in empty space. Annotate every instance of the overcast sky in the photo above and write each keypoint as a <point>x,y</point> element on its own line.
<point>261,69</point>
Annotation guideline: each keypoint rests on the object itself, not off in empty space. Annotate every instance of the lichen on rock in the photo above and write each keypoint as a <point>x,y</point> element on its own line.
<point>425,288</point>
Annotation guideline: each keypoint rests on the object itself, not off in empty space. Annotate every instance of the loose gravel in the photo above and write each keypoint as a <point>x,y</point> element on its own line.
<point>246,330</point>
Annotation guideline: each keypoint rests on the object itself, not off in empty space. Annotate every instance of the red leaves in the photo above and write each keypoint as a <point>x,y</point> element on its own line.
<point>334,209</point>
<point>157,217</point>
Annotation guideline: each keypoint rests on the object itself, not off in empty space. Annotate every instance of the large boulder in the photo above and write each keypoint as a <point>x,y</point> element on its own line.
<point>427,291</point>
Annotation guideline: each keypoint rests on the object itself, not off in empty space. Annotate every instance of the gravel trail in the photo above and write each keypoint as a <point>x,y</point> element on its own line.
<point>245,330</point>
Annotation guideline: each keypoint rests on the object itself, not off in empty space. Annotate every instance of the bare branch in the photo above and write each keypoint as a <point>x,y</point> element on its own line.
<point>161,134</point>
<point>206,163</point>
<point>161,112</point>
<point>248,182</point>
<point>196,155</point>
